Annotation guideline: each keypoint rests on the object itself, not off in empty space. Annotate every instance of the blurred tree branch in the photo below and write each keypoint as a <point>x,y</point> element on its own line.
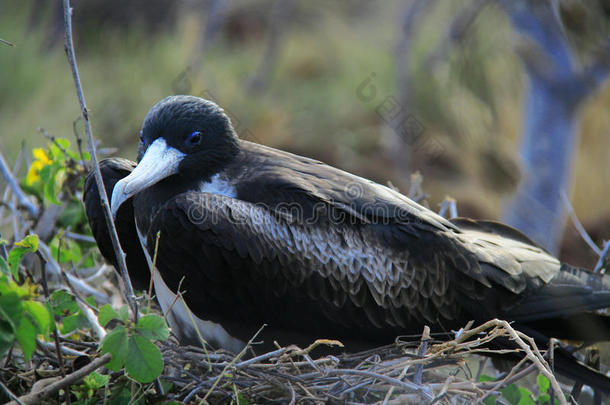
<point>556,88</point>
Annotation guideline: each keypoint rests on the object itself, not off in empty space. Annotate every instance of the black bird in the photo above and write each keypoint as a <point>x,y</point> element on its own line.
<point>258,235</point>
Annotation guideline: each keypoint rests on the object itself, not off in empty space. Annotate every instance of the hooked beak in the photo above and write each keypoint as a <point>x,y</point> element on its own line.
<point>159,161</point>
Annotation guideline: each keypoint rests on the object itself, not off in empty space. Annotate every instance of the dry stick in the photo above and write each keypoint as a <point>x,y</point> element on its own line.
<point>60,357</point>
<point>120,255</point>
<point>10,394</point>
<point>407,386</point>
<point>37,397</point>
<point>235,359</point>
<point>14,184</point>
<point>425,339</point>
<point>7,190</point>
<point>604,258</point>
<point>534,355</point>
<point>5,42</point>
<point>578,224</point>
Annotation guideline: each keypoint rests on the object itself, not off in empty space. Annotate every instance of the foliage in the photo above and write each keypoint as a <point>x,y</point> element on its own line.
<point>54,177</point>
<point>515,395</point>
<point>131,344</point>
<point>22,317</point>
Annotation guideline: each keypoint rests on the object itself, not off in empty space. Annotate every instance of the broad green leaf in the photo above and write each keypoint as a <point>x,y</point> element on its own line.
<point>26,336</point>
<point>122,397</point>
<point>28,244</point>
<point>91,301</point>
<point>72,322</point>
<point>152,327</point>
<point>123,313</point>
<point>49,177</point>
<point>543,399</point>
<point>7,336</point>
<point>490,400</point>
<point>65,251</point>
<point>526,397</point>
<point>106,314</point>
<point>64,303</point>
<point>95,380</point>
<point>115,343</point>
<point>511,393</point>
<point>4,266</point>
<point>543,383</point>
<point>144,359</point>
<point>486,378</point>
<point>11,307</point>
<point>40,314</point>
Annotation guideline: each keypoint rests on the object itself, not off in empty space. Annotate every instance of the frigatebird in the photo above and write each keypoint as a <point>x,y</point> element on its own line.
<point>256,235</point>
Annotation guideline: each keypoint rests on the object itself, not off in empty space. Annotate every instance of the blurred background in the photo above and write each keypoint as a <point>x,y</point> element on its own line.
<point>500,105</point>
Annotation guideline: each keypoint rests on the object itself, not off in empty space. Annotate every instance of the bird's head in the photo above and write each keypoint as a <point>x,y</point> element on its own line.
<point>181,135</point>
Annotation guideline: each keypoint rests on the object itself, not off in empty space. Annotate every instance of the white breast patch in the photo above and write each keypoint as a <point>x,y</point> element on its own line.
<point>218,185</point>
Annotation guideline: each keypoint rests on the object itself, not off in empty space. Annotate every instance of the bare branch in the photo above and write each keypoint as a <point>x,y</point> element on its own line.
<point>37,397</point>
<point>120,255</point>
<point>14,184</point>
<point>578,225</point>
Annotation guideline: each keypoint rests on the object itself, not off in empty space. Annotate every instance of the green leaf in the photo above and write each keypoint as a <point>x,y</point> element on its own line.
<point>26,336</point>
<point>122,397</point>
<point>49,176</point>
<point>11,307</point>
<point>40,314</point>
<point>486,378</point>
<point>543,383</point>
<point>490,400</point>
<point>543,399</point>
<point>4,266</point>
<point>123,313</point>
<point>526,397</point>
<point>106,314</point>
<point>511,393</point>
<point>63,303</point>
<point>68,251</point>
<point>73,322</point>
<point>95,380</point>
<point>116,343</point>
<point>28,244</point>
<point>144,359</point>
<point>152,327</point>
<point>7,336</point>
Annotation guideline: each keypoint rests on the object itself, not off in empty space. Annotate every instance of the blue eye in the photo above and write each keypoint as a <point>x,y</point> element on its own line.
<point>194,138</point>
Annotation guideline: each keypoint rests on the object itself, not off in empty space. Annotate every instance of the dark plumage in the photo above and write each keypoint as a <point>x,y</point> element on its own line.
<point>264,236</point>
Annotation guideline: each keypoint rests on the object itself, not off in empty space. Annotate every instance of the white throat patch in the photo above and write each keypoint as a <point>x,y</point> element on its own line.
<point>218,185</point>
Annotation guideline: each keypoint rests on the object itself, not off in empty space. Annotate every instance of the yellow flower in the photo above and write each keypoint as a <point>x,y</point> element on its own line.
<point>40,161</point>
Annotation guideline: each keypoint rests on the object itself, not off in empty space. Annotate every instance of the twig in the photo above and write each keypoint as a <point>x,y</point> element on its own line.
<point>120,255</point>
<point>78,237</point>
<point>4,41</point>
<point>448,208</point>
<point>65,350</point>
<point>56,270</point>
<point>407,386</point>
<point>37,397</point>
<point>7,190</point>
<point>235,359</point>
<point>14,184</point>
<point>604,258</point>
<point>279,17</point>
<point>578,224</point>
<point>10,394</point>
<point>423,348</point>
